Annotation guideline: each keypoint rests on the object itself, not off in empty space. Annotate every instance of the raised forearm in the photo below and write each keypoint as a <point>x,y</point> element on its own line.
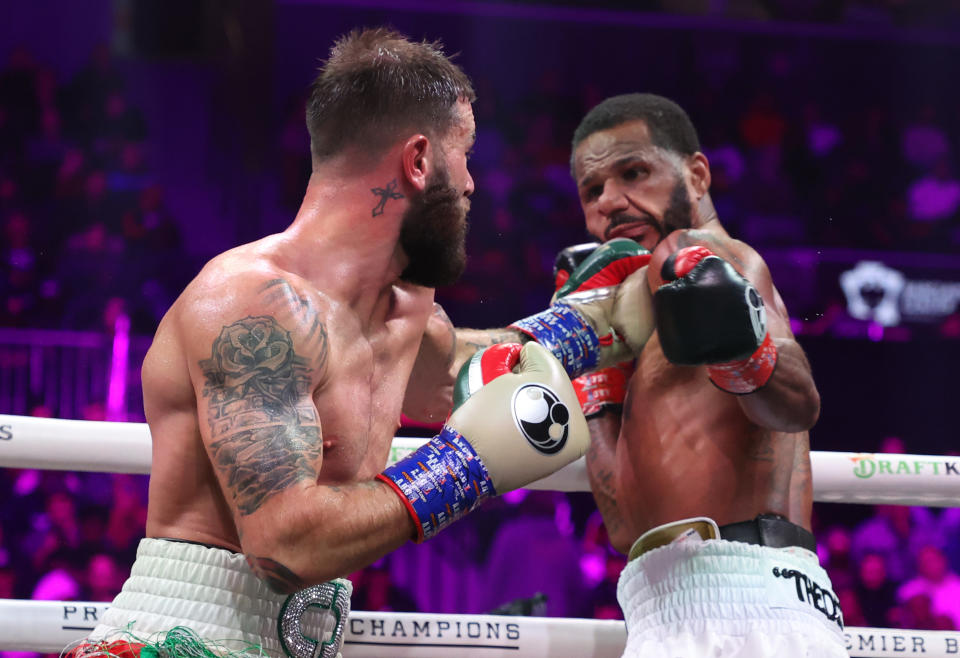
<point>315,533</point>
<point>789,402</point>
<point>469,341</point>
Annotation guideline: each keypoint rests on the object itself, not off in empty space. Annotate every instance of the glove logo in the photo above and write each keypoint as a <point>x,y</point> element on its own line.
<point>541,417</point>
<point>758,313</point>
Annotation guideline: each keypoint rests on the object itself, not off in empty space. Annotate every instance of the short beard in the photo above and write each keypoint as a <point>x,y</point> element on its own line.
<point>679,212</point>
<point>433,235</point>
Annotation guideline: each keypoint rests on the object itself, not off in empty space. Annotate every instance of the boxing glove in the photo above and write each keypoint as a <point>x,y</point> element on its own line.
<point>708,313</point>
<point>517,427</point>
<point>602,314</point>
<point>570,259</point>
<point>601,389</point>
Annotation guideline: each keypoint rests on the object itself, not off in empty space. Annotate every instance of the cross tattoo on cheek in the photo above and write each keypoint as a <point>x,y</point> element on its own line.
<point>385,194</point>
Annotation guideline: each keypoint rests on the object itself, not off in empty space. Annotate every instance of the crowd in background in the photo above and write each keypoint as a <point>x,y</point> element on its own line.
<point>86,235</point>
<point>85,231</point>
<point>901,13</point>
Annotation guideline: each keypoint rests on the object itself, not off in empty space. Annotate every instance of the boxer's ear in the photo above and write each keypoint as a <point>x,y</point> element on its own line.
<point>416,158</point>
<point>698,168</point>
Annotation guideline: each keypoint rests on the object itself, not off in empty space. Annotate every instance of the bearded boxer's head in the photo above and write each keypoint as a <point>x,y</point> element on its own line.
<point>637,164</point>
<point>433,233</point>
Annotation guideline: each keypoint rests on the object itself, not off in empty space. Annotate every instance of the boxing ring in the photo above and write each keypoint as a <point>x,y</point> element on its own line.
<point>866,478</point>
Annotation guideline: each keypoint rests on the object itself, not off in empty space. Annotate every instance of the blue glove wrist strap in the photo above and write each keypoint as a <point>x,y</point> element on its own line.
<point>443,481</point>
<point>566,333</point>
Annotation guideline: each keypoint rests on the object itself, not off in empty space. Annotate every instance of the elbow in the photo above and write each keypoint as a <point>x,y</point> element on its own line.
<point>803,414</point>
<point>797,411</point>
<point>808,409</point>
<point>279,578</point>
<point>276,556</point>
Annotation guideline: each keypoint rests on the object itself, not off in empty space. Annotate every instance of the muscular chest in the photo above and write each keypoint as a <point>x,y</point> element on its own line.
<point>360,406</point>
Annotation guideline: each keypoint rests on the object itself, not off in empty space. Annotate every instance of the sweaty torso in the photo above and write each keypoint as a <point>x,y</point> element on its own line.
<point>366,368</point>
<point>687,449</point>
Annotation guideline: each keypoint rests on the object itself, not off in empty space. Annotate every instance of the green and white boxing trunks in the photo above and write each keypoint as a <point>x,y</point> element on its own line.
<point>213,592</point>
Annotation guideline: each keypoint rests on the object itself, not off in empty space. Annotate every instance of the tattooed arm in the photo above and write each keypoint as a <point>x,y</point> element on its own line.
<point>256,361</point>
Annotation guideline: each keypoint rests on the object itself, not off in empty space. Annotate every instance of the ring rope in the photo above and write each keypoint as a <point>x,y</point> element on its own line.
<point>48,626</point>
<point>838,477</point>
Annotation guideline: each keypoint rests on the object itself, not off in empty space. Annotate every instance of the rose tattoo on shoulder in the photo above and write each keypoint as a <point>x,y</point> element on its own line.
<point>255,356</point>
<point>264,430</point>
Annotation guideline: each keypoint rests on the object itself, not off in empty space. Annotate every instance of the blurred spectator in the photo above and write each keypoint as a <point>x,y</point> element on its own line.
<point>933,201</point>
<point>897,533</point>
<point>917,612</point>
<point>875,591</point>
<point>56,530</point>
<point>103,577</point>
<point>924,141</point>
<point>851,607</point>
<point>836,558</point>
<point>8,583</point>
<point>937,582</point>
<point>950,528</point>
<point>128,516</point>
<point>61,578</point>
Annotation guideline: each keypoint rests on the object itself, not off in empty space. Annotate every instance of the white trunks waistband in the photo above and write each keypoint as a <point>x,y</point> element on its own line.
<point>737,587</point>
<point>209,590</point>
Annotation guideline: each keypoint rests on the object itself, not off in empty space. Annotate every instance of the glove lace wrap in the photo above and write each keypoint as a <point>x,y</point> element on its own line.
<point>567,334</point>
<point>442,481</point>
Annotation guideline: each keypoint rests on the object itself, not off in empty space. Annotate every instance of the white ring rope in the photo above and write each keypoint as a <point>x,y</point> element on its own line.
<point>49,626</point>
<point>848,477</point>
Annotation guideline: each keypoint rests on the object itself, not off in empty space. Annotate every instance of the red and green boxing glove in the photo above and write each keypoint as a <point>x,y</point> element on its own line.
<point>602,314</point>
<point>602,389</point>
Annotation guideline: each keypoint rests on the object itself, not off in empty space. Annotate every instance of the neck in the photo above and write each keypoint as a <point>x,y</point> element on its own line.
<point>704,212</point>
<point>345,238</point>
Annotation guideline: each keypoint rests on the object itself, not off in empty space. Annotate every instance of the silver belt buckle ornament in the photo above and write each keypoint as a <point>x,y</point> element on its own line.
<point>333,600</point>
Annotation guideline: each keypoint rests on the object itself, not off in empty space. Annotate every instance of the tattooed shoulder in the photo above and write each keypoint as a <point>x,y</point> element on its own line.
<point>264,429</point>
<point>304,314</point>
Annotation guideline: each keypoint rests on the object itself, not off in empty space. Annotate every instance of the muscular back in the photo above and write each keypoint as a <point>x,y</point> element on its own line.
<point>688,449</point>
<point>258,382</point>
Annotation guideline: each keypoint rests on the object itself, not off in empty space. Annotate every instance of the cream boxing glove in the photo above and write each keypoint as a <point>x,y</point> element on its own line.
<point>508,430</point>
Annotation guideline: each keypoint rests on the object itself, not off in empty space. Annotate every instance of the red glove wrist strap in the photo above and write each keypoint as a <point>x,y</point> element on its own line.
<point>601,389</point>
<point>746,376</point>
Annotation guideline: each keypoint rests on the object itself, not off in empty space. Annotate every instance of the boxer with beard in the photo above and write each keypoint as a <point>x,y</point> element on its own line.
<point>275,383</point>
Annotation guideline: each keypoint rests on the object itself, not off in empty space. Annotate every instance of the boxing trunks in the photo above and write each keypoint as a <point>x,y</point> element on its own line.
<point>178,591</point>
<point>688,593</point>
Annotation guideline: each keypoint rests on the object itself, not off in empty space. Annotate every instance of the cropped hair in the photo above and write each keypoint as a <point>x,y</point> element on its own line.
<point>375,85</point>
<point>670,127</point>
